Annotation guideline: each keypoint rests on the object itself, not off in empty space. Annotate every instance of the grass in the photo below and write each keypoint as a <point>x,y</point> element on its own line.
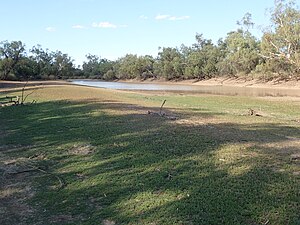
<point>119,165</point>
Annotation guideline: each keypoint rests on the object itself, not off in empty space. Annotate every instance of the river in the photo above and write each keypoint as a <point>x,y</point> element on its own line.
<point>201,89</point>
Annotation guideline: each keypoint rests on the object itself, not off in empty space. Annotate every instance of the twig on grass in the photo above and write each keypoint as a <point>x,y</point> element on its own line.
<point>35,168</point>
<point>162,106</point>
<point>161,113</point>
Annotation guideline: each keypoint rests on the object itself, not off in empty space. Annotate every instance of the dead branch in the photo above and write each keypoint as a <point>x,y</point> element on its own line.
<point>252,112</point>
<point>35,168</point>
<point>161,113</point>
<point>162,105</point>
<point>61,183</point>
<point>29,94</point>
<point>23,99</point>
<point>22,171</point>
<point>23,90</point>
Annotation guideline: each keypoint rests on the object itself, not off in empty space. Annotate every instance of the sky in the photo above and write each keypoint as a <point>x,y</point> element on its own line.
<point>113,28</point>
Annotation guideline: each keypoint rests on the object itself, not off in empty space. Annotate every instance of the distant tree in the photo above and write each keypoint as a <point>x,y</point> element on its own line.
<point>169,64</point>
<point>281,42</point>
<point>246,22</point>
<point>128,67</point>
<point>241,56</point>
<point>145,64</point>
<point>44,60</point>
<point>10,54</point>
<point>26,69</point>
<point>90,67</point>
<point>95,67</point>
<point>202,59</point>
<point>63,65</point>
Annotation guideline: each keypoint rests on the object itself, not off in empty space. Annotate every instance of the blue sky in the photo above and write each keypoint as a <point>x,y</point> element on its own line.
<point>113,28</point>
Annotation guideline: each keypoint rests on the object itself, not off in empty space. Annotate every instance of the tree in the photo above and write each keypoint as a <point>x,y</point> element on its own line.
<point>10,54</point>
<point>63,65</point>
<point>246,21</point>
<point>96,67</point>
<point>44,62</point>
<point>131,67</point>
<point>202,59</point>
<point>281,43</point>
<point>241,56</point>
<point>26,69</point>
<point>128,67</point>
<point>169,64</point>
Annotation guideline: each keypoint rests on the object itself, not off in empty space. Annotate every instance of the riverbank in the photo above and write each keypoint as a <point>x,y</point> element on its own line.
<point>230,82</point>
<point>17,85</point>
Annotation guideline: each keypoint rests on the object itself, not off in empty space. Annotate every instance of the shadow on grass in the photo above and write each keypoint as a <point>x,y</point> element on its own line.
<point>123,166</point>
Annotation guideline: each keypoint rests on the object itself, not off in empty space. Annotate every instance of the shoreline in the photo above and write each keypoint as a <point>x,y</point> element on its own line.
<point>226,82</point>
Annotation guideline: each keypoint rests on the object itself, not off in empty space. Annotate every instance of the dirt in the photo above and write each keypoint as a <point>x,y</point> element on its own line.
<point>236,82</point>
<point>15,190</point>
<point>18,85</point>
<point>82,149</point>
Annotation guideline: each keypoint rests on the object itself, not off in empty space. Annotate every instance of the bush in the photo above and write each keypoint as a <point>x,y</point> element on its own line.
<point>109,75</point>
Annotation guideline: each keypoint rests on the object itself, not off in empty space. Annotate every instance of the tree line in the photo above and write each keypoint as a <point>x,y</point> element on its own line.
<point>240,54</point>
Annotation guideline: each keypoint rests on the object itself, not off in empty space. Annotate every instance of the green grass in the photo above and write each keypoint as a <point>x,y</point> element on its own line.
<point>214,165</point>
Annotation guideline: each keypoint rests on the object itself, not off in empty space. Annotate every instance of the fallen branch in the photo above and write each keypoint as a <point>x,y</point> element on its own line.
<point>162,114</point>
<point>22,171</point>
<point>162,106</point>
<point>252,112</point>
<point>61,183</point>
<point>34,168</point>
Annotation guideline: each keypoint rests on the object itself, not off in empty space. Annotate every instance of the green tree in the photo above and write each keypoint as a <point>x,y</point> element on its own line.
<point>26,69</point>
<point>169,64</point>
<point>63,65</point>
<point>10,54</point>
<point>202,59</point>
<point>128,67</point>
<point>95,67</point>
<point>241,54</point>
<point>44,62</point>
<point>281,43</point>
<point>133,66</point>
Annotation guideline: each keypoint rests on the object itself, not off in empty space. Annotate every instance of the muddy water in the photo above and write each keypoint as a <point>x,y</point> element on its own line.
<point>209,89</point>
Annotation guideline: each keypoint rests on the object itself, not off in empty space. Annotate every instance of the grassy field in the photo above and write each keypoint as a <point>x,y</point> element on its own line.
<point>90,156</point>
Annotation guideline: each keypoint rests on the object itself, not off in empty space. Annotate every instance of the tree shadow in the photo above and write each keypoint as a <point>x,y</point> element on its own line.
<point>138,168</point>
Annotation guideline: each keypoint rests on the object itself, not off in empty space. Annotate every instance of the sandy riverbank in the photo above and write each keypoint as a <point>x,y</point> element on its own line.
<point>230,82</point>
<point>16,85</point>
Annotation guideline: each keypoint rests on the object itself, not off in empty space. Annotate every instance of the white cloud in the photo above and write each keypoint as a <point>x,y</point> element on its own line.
<point>104,25</point>
<point>162,17</point>
<point>169,17</point>
<point>78,27</point>
<point>50,29</point>
<point>179,17</point>
<point>143,17</point>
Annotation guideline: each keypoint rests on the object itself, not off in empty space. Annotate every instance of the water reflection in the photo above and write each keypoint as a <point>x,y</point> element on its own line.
<point>217,89</point>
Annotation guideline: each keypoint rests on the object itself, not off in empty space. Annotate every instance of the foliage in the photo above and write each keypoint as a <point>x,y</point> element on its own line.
<point>96,67</point>
<point>241,53</point>
<point>10,55</point>
<point>281,43</point>
<point>202,60</point>
<point>169,64</point>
